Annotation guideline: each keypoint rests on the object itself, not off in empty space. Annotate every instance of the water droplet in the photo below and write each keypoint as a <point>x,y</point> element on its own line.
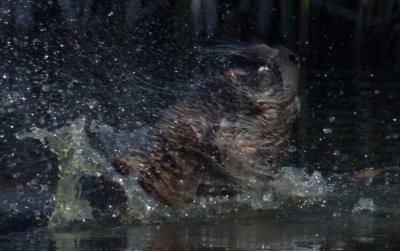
<point>41,121</point>
<point>20,189</point>
<point>267,197</point>
<point>92,104</point>
<point>5,76</point>
<point>332,119</point>
<point>292,149</point>
<point>336,214</point>
<point>392,136</point>
<point>45,88</point>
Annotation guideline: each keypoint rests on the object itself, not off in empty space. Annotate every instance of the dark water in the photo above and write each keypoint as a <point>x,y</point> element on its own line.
<point>57,68</point>
<point>291,230</point>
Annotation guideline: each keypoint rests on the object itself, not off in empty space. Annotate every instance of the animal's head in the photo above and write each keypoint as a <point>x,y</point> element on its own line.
<point>266,75</point>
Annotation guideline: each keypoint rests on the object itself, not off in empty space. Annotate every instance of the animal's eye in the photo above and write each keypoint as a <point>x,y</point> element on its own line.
<point>263,68</point>
<point>294,59</point>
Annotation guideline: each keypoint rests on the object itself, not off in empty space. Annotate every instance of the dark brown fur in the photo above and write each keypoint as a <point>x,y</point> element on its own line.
<point>228,136</point>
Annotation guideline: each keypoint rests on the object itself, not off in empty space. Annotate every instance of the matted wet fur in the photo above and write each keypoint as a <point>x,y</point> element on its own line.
<point>228,136</point>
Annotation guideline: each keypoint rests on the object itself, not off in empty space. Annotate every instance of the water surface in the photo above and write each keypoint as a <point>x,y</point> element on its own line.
<point>71,95</point>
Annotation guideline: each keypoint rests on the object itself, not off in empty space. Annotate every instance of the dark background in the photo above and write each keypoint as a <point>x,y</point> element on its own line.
<point>64,58</point>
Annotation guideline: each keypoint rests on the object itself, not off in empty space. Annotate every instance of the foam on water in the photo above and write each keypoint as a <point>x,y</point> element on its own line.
<point>292,187</point>
<point>296,182</point>
<point>364,204</point>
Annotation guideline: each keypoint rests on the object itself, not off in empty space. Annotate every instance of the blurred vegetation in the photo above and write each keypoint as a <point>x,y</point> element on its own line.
<point>351,24</point>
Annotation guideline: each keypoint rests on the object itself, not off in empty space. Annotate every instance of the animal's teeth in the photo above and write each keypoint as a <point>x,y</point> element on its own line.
<point>263,68</point>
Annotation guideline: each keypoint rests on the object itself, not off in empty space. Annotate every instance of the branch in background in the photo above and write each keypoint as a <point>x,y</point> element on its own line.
<point>288,30</point>
<point>204,15</point>
<point>133,11</point>
<point>342,12</point>
<point>265,17</point>
<point>372,172</point>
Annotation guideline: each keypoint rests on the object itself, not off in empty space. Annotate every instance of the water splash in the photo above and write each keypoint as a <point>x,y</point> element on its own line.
<point>364,204</point>
<point>69,143</point>
<point>79,161</point>
<point>297,182</point>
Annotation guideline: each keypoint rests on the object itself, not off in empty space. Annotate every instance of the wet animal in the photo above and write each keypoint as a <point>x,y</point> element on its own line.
<point>229,135</point>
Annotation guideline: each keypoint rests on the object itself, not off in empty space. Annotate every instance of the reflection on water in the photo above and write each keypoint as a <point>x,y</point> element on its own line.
<point>281,230</point>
